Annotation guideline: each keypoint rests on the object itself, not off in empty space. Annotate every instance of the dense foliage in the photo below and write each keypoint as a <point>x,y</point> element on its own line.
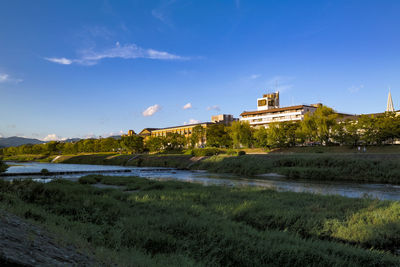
<point>125,143</point>
<point>181,224</point>
<point>3,166</point>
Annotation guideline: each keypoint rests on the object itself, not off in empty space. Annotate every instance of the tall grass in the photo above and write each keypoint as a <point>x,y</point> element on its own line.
<point>175,223</point>
<point>319,167</point>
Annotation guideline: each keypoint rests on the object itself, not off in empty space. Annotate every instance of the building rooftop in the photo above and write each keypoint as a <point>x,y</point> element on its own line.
<point>272,110</point>
<point>183,126</point>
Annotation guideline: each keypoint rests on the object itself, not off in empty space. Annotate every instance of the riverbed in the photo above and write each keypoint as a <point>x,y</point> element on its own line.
<point>347,189</point>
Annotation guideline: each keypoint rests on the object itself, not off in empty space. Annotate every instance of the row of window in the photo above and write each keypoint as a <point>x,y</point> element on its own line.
<point>180,131</point>
<point>281,118</point>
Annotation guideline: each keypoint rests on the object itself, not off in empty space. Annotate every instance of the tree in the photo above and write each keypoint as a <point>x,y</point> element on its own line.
<point>108,144</point>
<point>325,119</point>
<point>217,136</point>
<point>276,136</point>
<point>174,141</point>
<point>133,143</point>
<point>318,125</point>
<point>260,137</point>
<point>241,134</point>
<point>155,143</point>
<point>3,166</point>
<point>198,136</point>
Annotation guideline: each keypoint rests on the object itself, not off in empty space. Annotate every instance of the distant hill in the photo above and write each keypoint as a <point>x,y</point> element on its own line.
<point>18,141</point>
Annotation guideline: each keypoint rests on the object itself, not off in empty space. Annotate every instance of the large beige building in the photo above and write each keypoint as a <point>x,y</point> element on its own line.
<point>186,130</point>
<point>268,111</point>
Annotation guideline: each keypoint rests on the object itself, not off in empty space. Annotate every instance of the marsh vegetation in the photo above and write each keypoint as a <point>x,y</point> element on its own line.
<point>176,223</point>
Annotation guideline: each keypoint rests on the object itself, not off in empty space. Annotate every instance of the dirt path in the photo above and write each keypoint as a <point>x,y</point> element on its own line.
<point>24,244</point>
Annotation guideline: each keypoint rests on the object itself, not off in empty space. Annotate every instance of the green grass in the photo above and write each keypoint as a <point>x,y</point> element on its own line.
<point>370,168</point>
<point>179,224</point>
<point>384,149</point>
<point>359,167</point>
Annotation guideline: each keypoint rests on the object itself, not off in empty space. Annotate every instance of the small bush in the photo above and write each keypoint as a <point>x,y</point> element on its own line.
<point>90,179</point>
<point>208,151</point>
<point>45,171</point>
<point>241,153</point>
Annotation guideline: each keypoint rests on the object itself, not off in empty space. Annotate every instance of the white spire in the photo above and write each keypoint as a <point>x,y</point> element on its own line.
<point>389,106</point>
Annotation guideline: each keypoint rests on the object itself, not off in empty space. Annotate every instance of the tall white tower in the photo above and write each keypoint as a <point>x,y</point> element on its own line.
<point>389,106</point>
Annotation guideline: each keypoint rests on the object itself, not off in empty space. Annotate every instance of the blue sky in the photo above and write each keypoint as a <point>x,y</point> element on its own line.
<point>96,68</point>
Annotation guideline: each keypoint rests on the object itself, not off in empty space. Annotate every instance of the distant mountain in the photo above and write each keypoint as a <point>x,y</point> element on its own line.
<point>18,141</point>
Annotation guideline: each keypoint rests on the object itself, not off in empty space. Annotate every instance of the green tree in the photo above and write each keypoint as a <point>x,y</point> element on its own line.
<point>133,144</point>
<point>217,136</point>
<point>198,136</point>
<point>155,143</point>
<point>325,119</point>
<point>276,136</point>
<point>174,141</point>
<point>260,137</point>
<point>3,166</point>
<point>241,134</point>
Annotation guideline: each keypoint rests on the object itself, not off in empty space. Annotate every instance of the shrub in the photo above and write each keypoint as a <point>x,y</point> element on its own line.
<point>3,166</point>
<point>208,151</point>
<point>241,153</point>
<point>45,171</point>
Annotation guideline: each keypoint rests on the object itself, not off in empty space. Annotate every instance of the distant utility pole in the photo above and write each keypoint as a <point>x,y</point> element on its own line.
<point>389,106</point>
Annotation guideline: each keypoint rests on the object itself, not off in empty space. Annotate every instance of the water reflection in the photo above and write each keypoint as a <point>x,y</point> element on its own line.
<point>354,190</point>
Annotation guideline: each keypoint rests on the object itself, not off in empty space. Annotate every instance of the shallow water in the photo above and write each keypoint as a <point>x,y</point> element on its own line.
<point>348,189</point>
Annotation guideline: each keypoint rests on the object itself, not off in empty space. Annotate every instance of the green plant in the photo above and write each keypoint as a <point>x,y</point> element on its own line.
<point>44,171</point>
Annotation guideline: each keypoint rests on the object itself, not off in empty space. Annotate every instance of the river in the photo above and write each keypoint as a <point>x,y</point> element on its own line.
<point>348,189</point>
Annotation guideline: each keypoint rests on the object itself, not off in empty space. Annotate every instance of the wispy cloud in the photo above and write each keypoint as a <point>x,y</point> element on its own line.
<point>192,121</point>
<point>52,137</point>
<point>187,106</point>
<point>5,78</point>
<point>61,60</point>
<point>113,134</point>
<point>161,13</point>
<point>255,76</point>
<point>354,89</point>
<point>150,111</point>
<point>215,107</point>
<point>127,51</point>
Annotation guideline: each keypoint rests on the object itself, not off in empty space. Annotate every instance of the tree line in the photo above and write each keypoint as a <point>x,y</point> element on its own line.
<point>323,127</point>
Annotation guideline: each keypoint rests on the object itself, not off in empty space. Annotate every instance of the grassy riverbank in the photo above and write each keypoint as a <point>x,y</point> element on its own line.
<point>358,167</point>
<point>176,223</point>
<point>379,168</point>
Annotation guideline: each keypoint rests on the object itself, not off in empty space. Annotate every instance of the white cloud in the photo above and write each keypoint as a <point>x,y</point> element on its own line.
<point>52,137</point>
<point>159,15</point>
<point>215,107</point>
<point>187,106</point>
<point>150,111</point>
<point>354,89</point>
<point>191,121</point>
<point>127,51</point>
<point>255,76</point>
<point>113,134</point>
<point>4,78</point>
<point>62,60</point>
